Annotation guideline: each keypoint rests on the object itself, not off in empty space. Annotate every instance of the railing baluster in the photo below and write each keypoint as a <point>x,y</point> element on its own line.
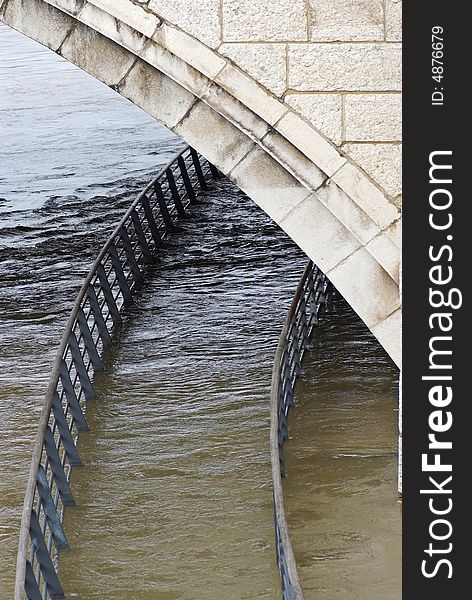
<point>138,276</point>
<point>108,295</point>
<point>186,179</point>
<point>88,341</point>
<point>66,436</point>
<point>44,558</point>
<point>72,400</point>
<point>120,275</point>
<point>175,194</point>
<point>58,470</point>
<point>156,236</point>
<point>141,237</point>
<point>31,585</point>
<point>79,365</point>
<point>53,520</point>
<point>98,317</point>
<point>198,170</point>
<point>163,207</point>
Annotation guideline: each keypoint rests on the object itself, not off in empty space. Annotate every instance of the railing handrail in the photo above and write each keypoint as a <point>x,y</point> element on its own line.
<point>287,564</point>
<point>39,442</point>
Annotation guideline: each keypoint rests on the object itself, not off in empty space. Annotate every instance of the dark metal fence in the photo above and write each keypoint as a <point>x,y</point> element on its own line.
<point>108,288</point>
<point>301,318</point>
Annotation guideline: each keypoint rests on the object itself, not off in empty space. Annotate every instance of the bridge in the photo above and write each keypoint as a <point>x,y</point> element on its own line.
<point>296,102</point>
<point>313,140</point>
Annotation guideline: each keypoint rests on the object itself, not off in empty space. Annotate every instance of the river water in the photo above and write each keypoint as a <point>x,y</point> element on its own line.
<point>175,501</point>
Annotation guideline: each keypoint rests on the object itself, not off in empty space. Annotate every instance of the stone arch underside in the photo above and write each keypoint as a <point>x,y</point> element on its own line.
<point>323,201</point>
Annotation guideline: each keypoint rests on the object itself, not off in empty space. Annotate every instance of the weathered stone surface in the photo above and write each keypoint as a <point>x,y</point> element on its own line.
<point>264,21</point>
<point>155,93</point>
<point>200,19</point>
<point>316,239</point>
<point>176,69</point>
<point>96,54</point>
<point>386,254</point>
<point>235,111</point>
<point>366,286</point>
<point>388,332</point>
<point>131,14</point>
<point>348,212</point>
<point>349,67</point>
<point>293,160</point>
<point>381,161</point>
<point>212,135</point>
<point>373,117</point>
<point>245,89</point>
<point>38,20</point>
<point>366,195</point>
<point>72,7</point>
<point>394,232</point>
<point>346,20</point>
<point>192,51</point>
<point>264,180</point>
<point>265,62</point>
<point>106,24</point>
<point>393,20</point>
<point>310,142</point>
<point>323,111</point>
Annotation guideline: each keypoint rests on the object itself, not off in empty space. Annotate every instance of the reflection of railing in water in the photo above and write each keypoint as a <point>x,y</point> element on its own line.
<point>301,318</point>
<point>108,287</point>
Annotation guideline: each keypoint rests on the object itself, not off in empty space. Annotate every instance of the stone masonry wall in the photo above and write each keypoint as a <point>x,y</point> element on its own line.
<point>337,63</point>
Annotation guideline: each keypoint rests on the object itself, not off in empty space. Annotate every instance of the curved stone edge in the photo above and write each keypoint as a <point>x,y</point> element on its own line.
<point>280,161</point>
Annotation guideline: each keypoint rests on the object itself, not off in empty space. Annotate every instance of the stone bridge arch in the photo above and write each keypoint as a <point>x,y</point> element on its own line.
<point>344,220</point>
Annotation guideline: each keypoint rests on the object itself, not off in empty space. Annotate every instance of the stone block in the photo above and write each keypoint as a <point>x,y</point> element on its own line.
<point>175,68</point>
<point>348,212</point>
<point>373,117</point>
<point>71,7</point>
<point>293,160</point>
<point>323,111</point>
<point>394,232</point>
<point>236,112</point>
<point>190,50</point>
<point>344,67</point>
<point>346,20</point>
<point>131,14</point>
<point>393,20</point>
<point>387,254</point>
<point>211,134</point>
<point>200,19</point>
<point>264,21</point>
<point>106,24</point>
<point>271,187</point>
<point>372,201</point>
<point>96,54</point>
<point>266,63</point>
<point>38,20</point>
<point>157,94</point>
<point>245,89</point>
<point>367,287</point>
<point>310,142</point>
<point>383,162</point>
<point>389,334</point>
<point>319,233</point>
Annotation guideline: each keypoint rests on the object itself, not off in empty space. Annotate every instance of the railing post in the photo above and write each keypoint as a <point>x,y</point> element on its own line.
<point>108,295</point>
<point>156,236</point>
<point>80,367</point>
<point>147,255</point>
<point>98,316</point>
<point>72,400</point>
<point>198,170</point>
<point>130,256</point>
<point>186,179</point>
<point>163,207</point>
<point>175,194</point>
<point>55,525</point>
<point>88,340</point>
<point>120,274</point>
<point>44,559</point>
<point>66,436</point>
<point>57,469</point>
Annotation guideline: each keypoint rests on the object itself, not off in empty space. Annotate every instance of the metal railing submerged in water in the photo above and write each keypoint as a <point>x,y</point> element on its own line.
<point>108,288</point>
<point>309,299</point>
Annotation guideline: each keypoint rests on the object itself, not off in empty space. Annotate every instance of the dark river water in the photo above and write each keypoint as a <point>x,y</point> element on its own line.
<point>175,501</point>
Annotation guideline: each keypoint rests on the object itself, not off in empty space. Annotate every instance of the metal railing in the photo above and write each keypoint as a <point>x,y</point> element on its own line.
<point>309,299</point>
<point>108,288</point>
